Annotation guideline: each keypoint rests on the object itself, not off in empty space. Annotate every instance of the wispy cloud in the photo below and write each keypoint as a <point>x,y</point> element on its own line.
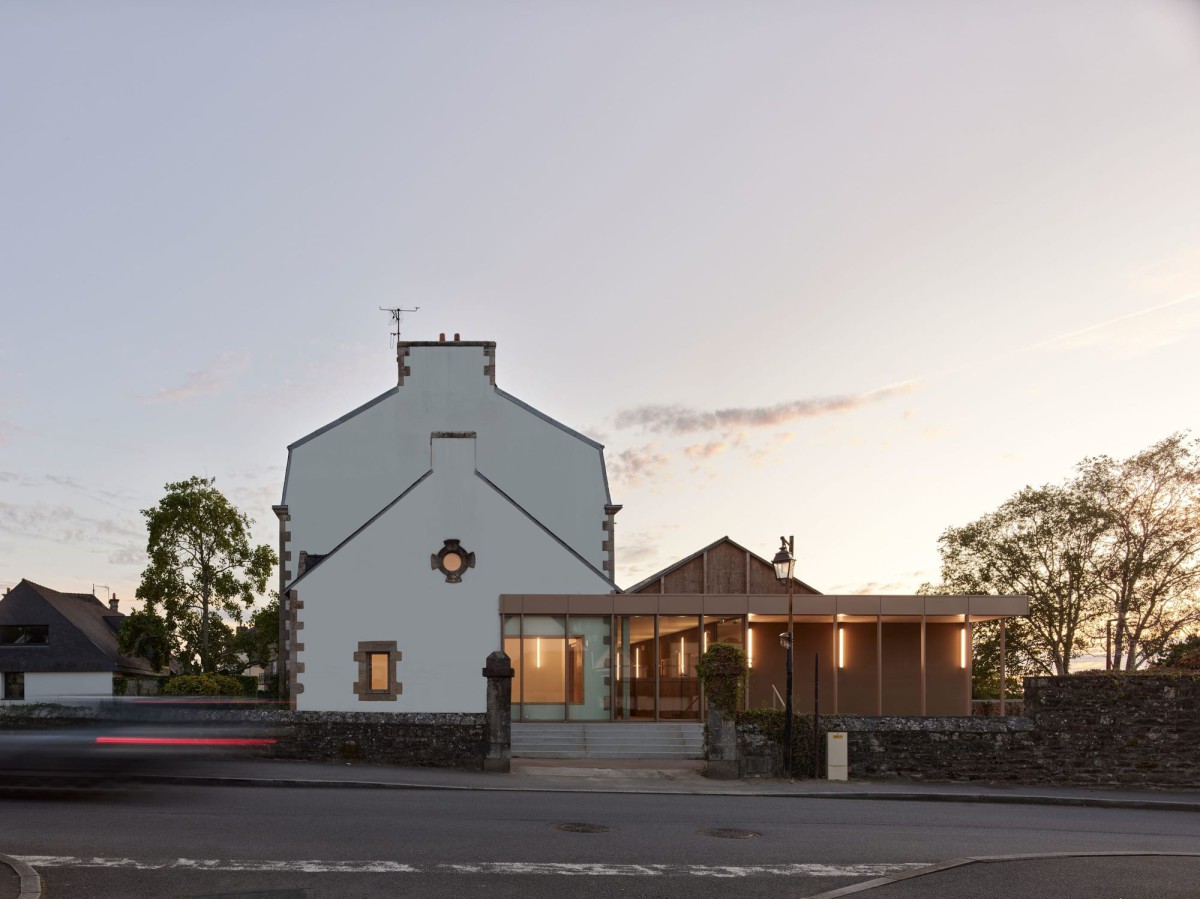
<point>881,588</point>
<point>677,419</point>
<point>642,550</point>
<point>1133,332</point>
<point>121,539</point>
<point>115,498</point>
<point>705,450</point>
<point>632,466</point>
<point>216,379</point>
<point>768,452</point>
<point>10,429</point>
<point>62,524</point>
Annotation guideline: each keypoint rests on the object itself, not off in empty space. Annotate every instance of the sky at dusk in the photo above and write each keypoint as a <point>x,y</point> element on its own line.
<point>852,271</point>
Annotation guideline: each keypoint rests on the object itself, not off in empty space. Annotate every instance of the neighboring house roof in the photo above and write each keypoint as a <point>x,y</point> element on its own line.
<point>721,567</point>
<point>83,632</point>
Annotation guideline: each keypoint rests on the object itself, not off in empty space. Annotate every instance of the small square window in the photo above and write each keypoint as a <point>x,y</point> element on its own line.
<point>14,685</point>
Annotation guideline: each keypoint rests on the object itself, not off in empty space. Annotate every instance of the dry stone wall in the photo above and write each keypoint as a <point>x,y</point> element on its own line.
<point>442,740</point>
<point>1084,730</point>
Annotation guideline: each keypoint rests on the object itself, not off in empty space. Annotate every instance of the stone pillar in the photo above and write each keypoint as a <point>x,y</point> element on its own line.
<point>722,750</point>
<point>497,750</point>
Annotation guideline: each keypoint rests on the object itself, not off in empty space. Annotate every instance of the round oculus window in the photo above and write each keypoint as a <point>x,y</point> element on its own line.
<point>452,561</point>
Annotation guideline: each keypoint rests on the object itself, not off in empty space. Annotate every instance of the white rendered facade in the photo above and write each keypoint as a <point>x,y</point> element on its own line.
<point>46,686</point>
<point>443,456</point>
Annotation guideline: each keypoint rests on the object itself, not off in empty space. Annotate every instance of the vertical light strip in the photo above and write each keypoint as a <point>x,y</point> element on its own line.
<point>637,661</point>
<point>841,646</point>
<point>962,648</point>
<point>706,641</point>
<point>539,652</point>
<point>682,657</point>
<point>750,646</point>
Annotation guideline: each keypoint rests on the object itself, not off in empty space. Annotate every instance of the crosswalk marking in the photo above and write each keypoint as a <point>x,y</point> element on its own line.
<point>571,869</point>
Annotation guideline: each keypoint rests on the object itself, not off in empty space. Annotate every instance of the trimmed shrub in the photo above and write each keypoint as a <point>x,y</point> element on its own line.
<point>203,685</point>
<point>191,685</point>
<point>227,684</point>
<point>722,671</point>
<point>249,684</point>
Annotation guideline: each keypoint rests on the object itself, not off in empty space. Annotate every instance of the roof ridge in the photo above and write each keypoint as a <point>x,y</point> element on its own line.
<point>688,558</point>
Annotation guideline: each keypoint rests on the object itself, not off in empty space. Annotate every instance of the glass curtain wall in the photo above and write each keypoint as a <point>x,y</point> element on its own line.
<point>512,648</point>
<point>636,667</point>
<point>544,668</point>
<point>678,653</point>
<point>597,667</point>
<point>588,672</point>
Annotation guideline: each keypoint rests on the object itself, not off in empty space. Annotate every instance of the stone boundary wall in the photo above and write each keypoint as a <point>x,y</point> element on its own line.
<point>1083,730</point>
<point>443,740</point>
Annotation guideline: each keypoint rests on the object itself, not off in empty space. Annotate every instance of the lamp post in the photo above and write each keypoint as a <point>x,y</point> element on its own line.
<point>785,563</point>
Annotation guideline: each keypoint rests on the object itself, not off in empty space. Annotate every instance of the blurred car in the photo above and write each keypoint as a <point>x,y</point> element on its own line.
<point>124,744</point>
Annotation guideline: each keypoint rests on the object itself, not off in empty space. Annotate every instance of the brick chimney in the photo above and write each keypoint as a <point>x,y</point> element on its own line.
<point>112,604</point>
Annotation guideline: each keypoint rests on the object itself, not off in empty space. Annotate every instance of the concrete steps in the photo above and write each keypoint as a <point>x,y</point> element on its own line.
<point>608,740</point>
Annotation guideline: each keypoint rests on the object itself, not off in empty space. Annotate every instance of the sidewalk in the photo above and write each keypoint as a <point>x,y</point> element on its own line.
<point>682,777</point>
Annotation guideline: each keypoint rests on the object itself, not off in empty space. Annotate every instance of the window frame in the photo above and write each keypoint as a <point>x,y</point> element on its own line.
<point>367,649</point>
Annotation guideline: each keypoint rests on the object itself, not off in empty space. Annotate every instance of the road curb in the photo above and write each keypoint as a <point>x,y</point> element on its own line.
<point>858,795</point>
<point>31,883</point>
<point>985,859</point>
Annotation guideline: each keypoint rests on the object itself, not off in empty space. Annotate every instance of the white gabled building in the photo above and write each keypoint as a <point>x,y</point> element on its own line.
<point>446,519</point>
<point>402,523</point>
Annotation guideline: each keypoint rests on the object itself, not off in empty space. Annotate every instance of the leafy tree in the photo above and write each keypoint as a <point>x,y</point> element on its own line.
<point>222,654</point>
<point>1120,542</point>
<point>1040,543</point>
<point>259,642</point>
<point>1150,565</point>
<point>202,567</point>
<point>1183,654</point>
<point>145,633</point>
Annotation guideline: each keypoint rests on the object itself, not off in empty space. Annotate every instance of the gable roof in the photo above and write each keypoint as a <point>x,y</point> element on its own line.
<point>753,564</point>
<point>366,524</point>
<point>553,536</point>
<point>95,622</point>
<point>411,487</point>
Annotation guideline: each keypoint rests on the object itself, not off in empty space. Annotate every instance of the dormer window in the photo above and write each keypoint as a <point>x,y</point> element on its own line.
<point>24,634</point>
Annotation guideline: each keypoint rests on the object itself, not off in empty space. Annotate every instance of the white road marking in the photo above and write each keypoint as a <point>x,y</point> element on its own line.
<point>598,869</point>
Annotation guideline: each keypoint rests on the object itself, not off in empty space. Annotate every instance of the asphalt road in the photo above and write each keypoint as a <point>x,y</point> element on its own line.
<point>281,843</point>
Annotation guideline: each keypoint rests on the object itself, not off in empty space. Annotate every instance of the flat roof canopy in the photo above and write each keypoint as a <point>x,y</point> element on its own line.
<point>762,604</point>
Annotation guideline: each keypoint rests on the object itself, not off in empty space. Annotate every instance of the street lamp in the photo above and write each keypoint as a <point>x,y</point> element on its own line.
<point>785,563</point>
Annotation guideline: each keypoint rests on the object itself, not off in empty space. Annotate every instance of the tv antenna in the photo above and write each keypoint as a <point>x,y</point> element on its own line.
<point>397,317</point>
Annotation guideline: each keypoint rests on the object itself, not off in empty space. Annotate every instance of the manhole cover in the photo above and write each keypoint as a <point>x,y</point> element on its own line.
<point>583,828</point>
<point>729,833</point>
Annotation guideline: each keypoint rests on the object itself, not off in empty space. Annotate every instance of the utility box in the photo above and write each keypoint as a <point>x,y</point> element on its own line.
<point>837,757</point>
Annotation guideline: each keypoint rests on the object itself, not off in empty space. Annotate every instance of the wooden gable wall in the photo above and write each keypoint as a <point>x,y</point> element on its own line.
<point>722,568</point>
